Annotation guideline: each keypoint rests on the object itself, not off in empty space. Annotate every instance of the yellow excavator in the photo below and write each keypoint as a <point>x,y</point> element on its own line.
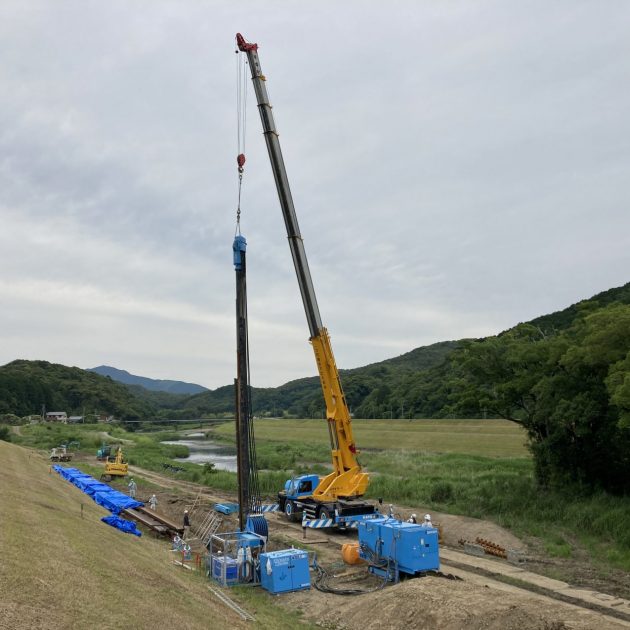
<point>115,466</point>
<point>335,497</point>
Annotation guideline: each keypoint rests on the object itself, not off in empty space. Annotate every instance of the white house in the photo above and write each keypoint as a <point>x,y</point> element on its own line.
<point>56,416</point>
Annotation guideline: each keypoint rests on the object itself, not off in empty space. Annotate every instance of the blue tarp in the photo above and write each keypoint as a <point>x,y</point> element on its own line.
<point>115,501</point>
<point>129,527</point>
<point>104,495</point>
<point>92,486</point>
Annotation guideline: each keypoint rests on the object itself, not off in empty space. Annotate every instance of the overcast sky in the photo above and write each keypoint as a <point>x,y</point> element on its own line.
<point>457,167</point>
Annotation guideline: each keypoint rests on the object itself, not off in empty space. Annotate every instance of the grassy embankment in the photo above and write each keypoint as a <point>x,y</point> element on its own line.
<point>62,568</point>
<point>474,468</point>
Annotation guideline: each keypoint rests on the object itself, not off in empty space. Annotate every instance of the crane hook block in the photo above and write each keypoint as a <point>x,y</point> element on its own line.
<point>240,160</point>
<point>238,247</point>
<point>244,46</point>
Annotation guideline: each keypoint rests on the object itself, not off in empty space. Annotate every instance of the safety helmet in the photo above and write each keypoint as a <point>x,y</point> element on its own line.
<point>427,517</point>
<point>413,516</point>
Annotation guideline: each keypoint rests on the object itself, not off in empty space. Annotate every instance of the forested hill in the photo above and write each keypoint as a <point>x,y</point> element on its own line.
<point>152,384</point>
<point>426,382</point>
<point>27,385</point>
<point>431,381</point>
<point>303,397</point>
<point>561,320</point>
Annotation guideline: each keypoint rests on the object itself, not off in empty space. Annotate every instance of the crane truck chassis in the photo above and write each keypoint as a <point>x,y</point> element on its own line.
<point>337,495</point>
<point>297,503</point>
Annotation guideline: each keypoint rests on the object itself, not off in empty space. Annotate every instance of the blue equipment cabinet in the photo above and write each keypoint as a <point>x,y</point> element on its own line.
<point>285,570</point>
<point>392,547</point>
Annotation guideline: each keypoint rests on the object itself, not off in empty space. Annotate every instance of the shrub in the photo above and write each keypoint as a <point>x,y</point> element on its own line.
<point>442,492</point>
<point>5,434</point>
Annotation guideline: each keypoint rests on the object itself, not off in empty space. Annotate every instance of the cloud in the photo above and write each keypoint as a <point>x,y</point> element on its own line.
<point>456,169</point>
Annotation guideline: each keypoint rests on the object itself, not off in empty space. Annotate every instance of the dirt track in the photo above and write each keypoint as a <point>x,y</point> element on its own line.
<point>478,601</point>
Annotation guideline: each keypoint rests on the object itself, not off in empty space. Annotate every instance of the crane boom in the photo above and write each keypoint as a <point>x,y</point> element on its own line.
<point>347,480</point>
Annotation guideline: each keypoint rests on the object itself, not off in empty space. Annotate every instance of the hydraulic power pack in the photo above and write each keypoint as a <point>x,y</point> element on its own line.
<point>392,547</point>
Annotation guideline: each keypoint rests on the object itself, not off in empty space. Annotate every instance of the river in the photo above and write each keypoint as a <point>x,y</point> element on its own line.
<point>204,451</point>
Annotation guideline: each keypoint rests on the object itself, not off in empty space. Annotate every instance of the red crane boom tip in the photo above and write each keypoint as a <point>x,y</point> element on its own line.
<point>243,45</point>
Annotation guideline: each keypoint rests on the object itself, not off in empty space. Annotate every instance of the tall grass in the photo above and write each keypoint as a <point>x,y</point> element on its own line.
<point>504,491</point>
<point>50,435</point>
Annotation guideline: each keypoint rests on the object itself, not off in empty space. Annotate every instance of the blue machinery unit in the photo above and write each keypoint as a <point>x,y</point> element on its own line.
<point>226,508</point>
<point>392,547</point>
<point>234,558</point>
<point>240,558</point>
<point>284,571</point>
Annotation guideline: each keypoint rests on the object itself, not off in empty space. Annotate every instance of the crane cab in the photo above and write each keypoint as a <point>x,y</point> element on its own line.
<point>302,486</point>
<point>295,489</point>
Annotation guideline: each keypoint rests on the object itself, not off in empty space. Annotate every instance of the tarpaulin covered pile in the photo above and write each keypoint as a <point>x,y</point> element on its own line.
<point>104,495</point>
<point>129,527</point>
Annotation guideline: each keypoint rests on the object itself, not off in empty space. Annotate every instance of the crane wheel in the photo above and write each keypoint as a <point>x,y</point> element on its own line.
<point>323,513</point>
<point>289,510</point>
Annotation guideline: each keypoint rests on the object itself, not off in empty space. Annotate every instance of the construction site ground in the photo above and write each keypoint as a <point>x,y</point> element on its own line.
<point>491,593</point>
<point>63,569</point>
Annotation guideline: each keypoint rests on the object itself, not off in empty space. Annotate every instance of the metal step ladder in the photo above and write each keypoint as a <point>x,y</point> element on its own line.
<point>193,507</point>
<point>209,525</point>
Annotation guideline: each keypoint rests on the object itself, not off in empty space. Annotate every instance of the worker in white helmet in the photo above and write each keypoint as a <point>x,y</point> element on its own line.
<point>412,519</point>
<point>153,502</point>
<point>132,488</point>
<point>427,521</point>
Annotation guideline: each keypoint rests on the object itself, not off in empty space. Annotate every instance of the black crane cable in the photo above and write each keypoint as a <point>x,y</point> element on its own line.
<point>255,502</point>
<point>321,581</point>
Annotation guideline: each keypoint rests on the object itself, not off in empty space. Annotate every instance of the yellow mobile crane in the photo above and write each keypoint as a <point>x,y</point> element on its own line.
<point>335,496</point>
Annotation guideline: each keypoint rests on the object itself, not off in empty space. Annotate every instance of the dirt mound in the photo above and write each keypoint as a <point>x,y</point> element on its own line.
<point>455,528</point>
<point>437,604</point>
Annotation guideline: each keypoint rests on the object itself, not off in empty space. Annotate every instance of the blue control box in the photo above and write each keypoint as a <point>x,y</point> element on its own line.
<point>285,570</point>
<point>225,570</point>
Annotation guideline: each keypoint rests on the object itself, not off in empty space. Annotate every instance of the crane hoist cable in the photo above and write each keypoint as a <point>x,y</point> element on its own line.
<point>248,483</point>
<point>241,126</point>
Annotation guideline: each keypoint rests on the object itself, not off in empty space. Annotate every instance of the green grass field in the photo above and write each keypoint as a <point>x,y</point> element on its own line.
<point>490,438</point>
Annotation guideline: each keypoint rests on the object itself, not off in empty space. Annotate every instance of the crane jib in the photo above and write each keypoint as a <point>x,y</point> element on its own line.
<point>347,479</point>
<point>284,190</point>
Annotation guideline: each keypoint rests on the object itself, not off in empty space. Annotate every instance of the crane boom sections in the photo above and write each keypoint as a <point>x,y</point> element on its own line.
<point>346,480</point>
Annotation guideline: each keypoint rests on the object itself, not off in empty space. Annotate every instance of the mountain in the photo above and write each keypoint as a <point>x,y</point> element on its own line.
<point>155,385</point>
<point>561,320</point>
<point>27,385</point>
<point>425,382</point>
<point>303,397</point>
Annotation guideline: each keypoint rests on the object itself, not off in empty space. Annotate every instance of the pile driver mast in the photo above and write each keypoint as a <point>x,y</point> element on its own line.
<point>347,481</point>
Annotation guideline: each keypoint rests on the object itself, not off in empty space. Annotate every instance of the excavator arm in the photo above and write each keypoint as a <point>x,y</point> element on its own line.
<point>347,480</point>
